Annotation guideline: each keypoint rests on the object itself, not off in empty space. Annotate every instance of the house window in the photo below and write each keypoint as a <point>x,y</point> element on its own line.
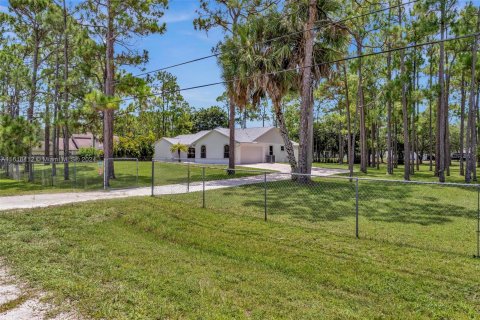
<point>191,153</point>
<point>203,152</point>
<point>226,151</point>
<point>282,148</point>
<point>270,152</point>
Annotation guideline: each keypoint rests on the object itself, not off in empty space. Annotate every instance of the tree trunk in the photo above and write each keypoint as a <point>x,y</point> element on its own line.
<point>378,146</point>
<point>471,125</point>
<point>417,141</point>
<point>478,131</point>
<point>412,121</point>
<point>231,126</point>
<point>442,110</point>
<point>341,145</point>
<point>306,106</point>
<point>33,95</point>
<point>447,126</point>
<point>56,111</point>
<point>66,135</point>
<point>430,128</point>
<point>361,109</point>
<point>349,124</point>
<point>462,122</point>
<point>108,114</point>
<point>395,145</point>
<point>286,139</point>
<point>374,150</point>
<point>389,115</point>
<point>406,151</point>
<point>47,131</point>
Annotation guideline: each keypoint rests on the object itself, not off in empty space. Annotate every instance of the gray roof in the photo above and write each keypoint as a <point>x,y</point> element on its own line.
<point>247,135</point>
<point>187,139</point>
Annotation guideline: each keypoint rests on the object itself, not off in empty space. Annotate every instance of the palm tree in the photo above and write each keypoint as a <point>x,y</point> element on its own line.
<point>178,147</point>
<point>236,67</point>
<point>269,58</point>
<point>308,50</point>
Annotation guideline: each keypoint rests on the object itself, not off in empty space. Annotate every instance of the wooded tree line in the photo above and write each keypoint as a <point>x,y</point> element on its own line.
<point>408,91</point>
<point>388,78</point>
<point>60,74</point>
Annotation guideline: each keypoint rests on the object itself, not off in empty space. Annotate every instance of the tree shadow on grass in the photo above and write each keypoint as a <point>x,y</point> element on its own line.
<point>415,204</point>
<point>334,200</point>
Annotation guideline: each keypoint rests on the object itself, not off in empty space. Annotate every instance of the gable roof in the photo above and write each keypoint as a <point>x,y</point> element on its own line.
<point>187,139</point>
<point>247,135</point>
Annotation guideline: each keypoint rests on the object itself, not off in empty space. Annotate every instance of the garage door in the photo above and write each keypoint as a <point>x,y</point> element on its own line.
<point>251,155</point>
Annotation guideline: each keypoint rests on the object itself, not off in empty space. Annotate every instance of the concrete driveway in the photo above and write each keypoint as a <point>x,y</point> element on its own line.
<point>53,199</point>
<point>285,168</point>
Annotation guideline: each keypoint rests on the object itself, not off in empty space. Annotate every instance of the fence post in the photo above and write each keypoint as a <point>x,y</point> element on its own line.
<point>136,181</point>
<point>356,208</point>
<point>188,177</point>
<point>75,172</point>
<point>265,193</point>
<point>153,177</point>
<point>478,223</point>
<point>105,173</point>
<point>203,188</point>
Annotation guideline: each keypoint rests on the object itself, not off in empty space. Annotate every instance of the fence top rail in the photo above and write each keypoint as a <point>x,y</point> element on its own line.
<point>186,162</point>
<point>451,184</point>
<point>219,167</point>
<point>120,159</point>
<point>45,161</point>
<point>192,160</point>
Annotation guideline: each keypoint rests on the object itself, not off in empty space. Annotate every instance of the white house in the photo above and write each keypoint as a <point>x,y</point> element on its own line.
<point>253,145</point>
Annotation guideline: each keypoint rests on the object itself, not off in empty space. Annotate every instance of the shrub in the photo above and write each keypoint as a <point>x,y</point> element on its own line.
<point>89,153</point>
<point>140,147</point>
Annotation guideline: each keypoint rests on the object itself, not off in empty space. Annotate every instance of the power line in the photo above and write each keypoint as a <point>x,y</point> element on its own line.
<point>281,37</point>
<point>298,68</point>
<point>310,66</point>
<point>177,65</point>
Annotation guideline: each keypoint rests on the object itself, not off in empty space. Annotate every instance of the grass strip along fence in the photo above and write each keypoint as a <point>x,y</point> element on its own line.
<point>424,215</point>
<point>88,174</point>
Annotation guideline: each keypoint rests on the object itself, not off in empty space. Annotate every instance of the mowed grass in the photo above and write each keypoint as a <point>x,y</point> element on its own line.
<point>424,174</point>
<point>89,176</point>
<point>426,216</point>
<point>165,257</point>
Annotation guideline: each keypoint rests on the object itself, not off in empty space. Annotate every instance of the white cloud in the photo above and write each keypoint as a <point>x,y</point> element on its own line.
<point>3,8</point>
<point>178,17</point>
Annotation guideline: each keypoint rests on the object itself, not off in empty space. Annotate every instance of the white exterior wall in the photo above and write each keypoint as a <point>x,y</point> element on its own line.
<point>274,138</point>
<point>162,151</point>
<point>214,142</point>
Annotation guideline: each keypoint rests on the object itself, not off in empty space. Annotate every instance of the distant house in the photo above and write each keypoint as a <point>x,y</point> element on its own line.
<point>76,141</point>
<point>252,145</point>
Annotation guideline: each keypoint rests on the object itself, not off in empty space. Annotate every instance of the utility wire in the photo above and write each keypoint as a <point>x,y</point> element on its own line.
<point>433,42</point>
<point>282,36</point>
<point>296,68</point>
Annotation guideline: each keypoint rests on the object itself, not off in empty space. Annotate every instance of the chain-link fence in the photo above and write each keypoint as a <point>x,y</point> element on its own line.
<point>52,174</point>
<point>419,215</point>
<point>125,175</point>
<point>424,215</point>
<point>42,175</point>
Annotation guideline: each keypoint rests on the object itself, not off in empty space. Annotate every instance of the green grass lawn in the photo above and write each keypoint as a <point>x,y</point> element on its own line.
<point>89,176</point>
<point>424,174</point>
<point>431,217</point>
<point>151,258</point>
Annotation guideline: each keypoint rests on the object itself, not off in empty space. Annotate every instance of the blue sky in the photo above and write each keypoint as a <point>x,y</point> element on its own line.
<point>181,42</point>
